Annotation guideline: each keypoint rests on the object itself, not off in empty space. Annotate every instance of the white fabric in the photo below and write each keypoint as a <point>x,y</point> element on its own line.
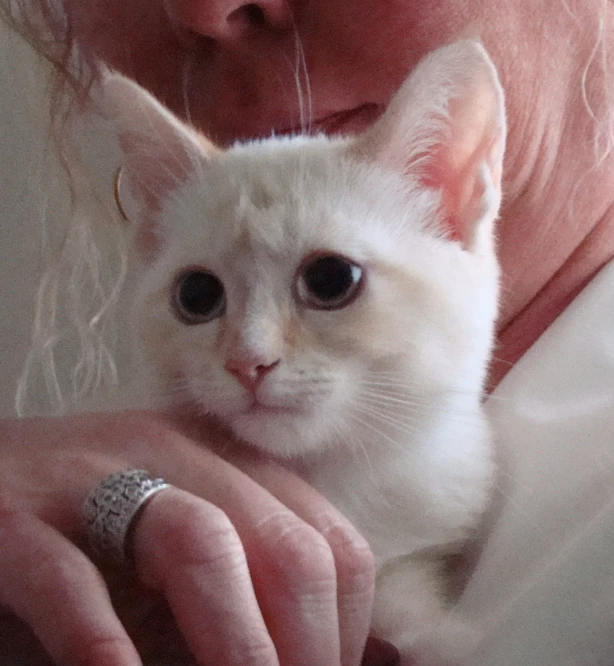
<point>543,591</point>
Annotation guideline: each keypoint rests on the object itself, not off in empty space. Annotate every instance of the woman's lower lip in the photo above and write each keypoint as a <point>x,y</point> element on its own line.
<point>349,122</point>
<point>341,122</point>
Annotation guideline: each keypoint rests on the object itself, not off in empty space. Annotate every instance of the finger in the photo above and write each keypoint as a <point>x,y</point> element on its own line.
<point>353,559</point>
<point>291,565</point>
<point>188,548</point>
<point>51,585</point>
<point>293,570</point>
<point>272,536</point>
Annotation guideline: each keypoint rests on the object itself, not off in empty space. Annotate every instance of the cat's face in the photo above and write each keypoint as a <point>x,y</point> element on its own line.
<point>298,292</point>
<point>303,293</point>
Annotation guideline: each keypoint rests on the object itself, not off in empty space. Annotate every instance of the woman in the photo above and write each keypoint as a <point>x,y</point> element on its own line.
<point>306,595</point>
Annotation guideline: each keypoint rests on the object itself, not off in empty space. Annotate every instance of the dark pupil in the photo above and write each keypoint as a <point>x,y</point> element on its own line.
<point>200,293</point>
<point>329,278</point>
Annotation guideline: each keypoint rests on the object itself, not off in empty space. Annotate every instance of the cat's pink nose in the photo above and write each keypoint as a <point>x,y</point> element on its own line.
<point>249,372</point>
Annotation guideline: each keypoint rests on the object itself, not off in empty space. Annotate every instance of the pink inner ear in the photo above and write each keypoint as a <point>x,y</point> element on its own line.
<point>141,213</point>
<point>153,173</point>
<point>147,241</point>
<point>446,127</point>
<point>454,166</point>
<point>460,188</point>
<point>159,153</point>
<point>155,169</point>
<point>148,180</point>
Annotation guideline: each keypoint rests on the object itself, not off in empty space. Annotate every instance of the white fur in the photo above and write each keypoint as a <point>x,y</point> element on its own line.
<point>383,397</point>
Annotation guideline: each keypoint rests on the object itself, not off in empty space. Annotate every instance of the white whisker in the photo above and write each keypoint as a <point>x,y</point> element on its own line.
<point>379,433</point>
<point>405,425</point>
<point>346,436</point>
<point>377,396</point>
<point>390,405</point>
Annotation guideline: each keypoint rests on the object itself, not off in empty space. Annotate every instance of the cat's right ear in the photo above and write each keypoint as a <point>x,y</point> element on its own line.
<point>446,128</point>
<point>159,152</point>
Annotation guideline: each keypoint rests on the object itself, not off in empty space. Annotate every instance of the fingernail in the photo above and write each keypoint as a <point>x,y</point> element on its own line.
<point>380,653</point>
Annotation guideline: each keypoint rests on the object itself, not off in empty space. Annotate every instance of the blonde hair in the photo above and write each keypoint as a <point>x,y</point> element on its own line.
<point>601,110</point>
<point>81,284</point>
<point>72,350</point>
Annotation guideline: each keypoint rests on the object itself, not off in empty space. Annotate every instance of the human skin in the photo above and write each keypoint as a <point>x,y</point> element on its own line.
<point>306,594</point>
<point>235,66</point>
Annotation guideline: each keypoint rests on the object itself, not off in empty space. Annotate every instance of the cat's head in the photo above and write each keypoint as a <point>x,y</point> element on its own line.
<point>303,289</point>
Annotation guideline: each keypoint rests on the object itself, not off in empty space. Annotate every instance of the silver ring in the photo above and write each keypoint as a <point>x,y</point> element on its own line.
<point>111,507</point>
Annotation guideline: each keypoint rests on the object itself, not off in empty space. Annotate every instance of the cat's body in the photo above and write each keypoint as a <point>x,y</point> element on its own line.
<point>446,491</point>
<point>332,301</point>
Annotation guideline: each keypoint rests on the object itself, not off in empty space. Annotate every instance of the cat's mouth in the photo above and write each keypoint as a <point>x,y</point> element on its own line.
<point>258,408</point>
<point>350,121</point>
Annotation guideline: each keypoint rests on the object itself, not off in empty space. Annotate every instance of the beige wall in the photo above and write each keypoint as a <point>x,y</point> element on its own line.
<point>22,203</point>
<point>33,202</point>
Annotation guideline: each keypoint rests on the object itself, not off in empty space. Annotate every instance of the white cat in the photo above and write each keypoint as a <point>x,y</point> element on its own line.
<point>332,300</point>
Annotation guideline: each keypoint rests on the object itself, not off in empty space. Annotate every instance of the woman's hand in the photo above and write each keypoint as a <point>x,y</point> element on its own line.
<point>257,567</point>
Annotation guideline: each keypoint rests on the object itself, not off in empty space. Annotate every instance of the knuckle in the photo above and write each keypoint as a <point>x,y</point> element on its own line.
<point>354,560</point>
<point>301,555</point>
<point>11,521</point>
<point>200,534</point>
<point>259,654</point>
<point>5,506</point>
<point>96,651</point>
<point>44,570</point>
<point>50,572</point>
<point>13,525</point>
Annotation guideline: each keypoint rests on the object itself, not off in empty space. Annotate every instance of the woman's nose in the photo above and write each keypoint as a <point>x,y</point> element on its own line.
<point>228,20</point>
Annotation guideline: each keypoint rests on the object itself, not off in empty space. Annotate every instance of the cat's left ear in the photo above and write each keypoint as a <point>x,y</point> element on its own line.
<point>159,152</point>
<point>446,128</point>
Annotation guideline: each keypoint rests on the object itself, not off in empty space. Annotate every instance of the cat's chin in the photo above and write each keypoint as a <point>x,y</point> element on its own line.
<point>277,431</point>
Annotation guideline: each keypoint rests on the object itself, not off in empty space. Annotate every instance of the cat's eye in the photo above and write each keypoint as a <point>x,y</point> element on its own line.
<point>328,281</point>
<point>198,297</point>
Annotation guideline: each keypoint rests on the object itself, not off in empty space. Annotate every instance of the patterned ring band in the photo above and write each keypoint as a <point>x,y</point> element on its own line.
<point>111,507</point>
